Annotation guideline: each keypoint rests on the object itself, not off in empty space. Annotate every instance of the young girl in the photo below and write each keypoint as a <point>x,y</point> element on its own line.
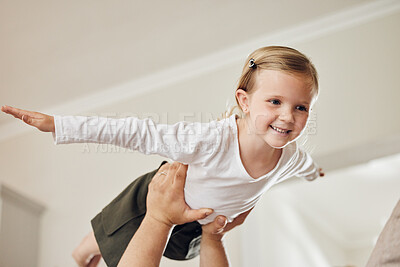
<point>232,162</point>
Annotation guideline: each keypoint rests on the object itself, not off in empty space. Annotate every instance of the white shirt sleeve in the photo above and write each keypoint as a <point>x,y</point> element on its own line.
<point>307,168</point>
<point>183,141</point>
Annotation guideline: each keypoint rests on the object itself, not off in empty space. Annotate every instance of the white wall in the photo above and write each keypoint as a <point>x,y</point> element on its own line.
<point>359,79</point>
<point>278,234</point>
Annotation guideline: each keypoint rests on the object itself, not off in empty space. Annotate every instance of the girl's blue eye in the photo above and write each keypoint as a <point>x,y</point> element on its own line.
<point>275,101</point>
<point>301,108</point>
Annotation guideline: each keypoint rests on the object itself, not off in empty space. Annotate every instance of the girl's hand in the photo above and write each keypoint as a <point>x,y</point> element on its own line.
<point>43,122</point>
<point>321,172</point>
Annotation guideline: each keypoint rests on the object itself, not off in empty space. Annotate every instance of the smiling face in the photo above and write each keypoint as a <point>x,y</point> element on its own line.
<point>278,107</point>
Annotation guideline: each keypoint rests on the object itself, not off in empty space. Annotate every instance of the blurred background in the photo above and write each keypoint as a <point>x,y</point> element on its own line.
<point>180,60</point>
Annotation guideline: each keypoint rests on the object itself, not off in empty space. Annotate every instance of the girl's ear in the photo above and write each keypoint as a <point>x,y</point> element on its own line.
<point>243,99</point>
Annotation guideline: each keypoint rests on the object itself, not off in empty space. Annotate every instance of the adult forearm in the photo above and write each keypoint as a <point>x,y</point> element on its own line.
<point>147,245</point>
<point>213,253</point>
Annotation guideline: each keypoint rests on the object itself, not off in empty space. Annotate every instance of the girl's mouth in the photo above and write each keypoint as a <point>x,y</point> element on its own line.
<point>280,130</point>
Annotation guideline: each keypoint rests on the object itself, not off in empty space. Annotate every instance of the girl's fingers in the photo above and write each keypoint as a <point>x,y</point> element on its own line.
<point>8,110</point>
<point>13,111</point>
<point>22,112</point>
<point>16,112</point>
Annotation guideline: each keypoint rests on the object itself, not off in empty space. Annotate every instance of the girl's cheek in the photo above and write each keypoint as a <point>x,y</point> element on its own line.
<point>261,124</point>
<point>302,120</point>
<point>303,125</point>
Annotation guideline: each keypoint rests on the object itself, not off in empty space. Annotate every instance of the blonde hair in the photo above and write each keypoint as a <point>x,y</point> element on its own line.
<point>276,58</point>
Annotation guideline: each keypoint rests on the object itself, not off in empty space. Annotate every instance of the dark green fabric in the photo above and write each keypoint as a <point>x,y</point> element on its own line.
<point>116,224</point>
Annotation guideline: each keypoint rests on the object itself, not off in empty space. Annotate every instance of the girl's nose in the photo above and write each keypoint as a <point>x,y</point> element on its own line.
<point>287,116</point>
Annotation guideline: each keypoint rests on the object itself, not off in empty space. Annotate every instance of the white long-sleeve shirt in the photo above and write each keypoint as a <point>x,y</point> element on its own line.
<point>216,177</point>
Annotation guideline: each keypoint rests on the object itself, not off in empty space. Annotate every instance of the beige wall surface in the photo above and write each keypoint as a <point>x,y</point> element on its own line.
<point>359,77</point>
<point>358,103</point>
<point>73,46</point>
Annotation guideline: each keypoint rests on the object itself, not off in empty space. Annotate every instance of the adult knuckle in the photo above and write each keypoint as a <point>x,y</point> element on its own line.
<point>162,170</point>
<point>174,166</point>
<point>166,165</point>
<point>179,175</point>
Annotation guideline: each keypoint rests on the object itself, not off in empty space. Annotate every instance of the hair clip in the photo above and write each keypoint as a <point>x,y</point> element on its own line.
<point>252,63</point>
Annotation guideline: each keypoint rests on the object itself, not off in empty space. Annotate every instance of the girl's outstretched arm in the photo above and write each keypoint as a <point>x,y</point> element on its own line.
<point>182,141</point>
<point>185,142</point>
<point>43,122</point>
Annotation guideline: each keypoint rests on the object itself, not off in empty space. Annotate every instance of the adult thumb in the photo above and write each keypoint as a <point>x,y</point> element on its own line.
<point>219,224</point>
<point>194,215</point>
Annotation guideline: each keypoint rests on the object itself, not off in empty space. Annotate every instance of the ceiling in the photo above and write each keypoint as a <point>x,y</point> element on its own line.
<point>59,51</point>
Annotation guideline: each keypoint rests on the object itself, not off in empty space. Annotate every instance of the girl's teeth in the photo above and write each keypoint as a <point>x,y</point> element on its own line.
<point>278,130</point>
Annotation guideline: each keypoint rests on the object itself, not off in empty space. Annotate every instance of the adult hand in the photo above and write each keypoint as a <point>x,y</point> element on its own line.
<point>87,254</point>
<point>212,250</point>
<point>166,200</point>
<point>166,206</point>
<point>43,122</point>
<point>216,229</point>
